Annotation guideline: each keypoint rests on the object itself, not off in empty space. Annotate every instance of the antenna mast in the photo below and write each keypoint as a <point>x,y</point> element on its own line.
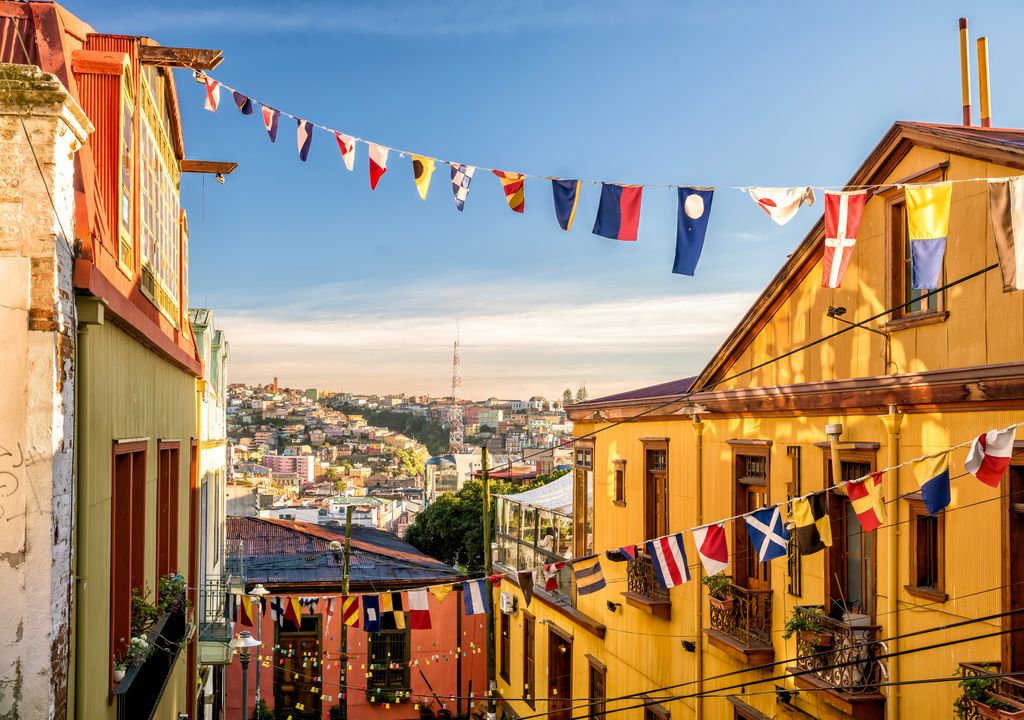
<point>456,425</point>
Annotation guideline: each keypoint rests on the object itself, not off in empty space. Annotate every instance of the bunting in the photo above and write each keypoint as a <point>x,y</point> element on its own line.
<point>462,176</point>
<point>309,603</point>
<point>243,103</point>
<point>669,559</point>
<point>927,228</point>
<point>474,595</point>
<point>347,146</point>
<point>990,455</point>
<point>867,501</point>
<point>768,535</point>
<point>551,575</point>
<point>392,613</point>
<point>329,606</point>
<point>350,610</point>
<point>270,120</point>
<point>440,592</point>
<point>781,204</point>
<point>212,93</point>
<point>712,548</point>
<point>691,226</point>
<point>371,613</point>
<point>513,184</point>
<point>933,478</point>
<point>618,213</point>
<point>525,578</point>
<point>567,198</point>
<point>304,136</point>
<point>813,528</point>
<point>1006,208</point>
<point>277,610</point>
<point>293,612</point>
<point>422,171</point>
<point>378,155</point>
<point>843,211</point>
<point>588,575</point>
<point>419,609</point>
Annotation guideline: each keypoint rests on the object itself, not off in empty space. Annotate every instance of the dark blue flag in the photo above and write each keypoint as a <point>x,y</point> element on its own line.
<point>691,225</point>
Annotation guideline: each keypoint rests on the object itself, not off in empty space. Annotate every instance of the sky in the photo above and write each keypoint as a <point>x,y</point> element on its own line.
<point>321,282</point>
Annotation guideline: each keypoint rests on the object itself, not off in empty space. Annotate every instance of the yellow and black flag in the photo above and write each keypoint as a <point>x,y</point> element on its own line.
<point>422,171</point>
<point>813,528</point>
<point>392,614</point>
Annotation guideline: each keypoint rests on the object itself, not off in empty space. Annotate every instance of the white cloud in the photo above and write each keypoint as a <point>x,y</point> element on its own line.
<point>610,345</point>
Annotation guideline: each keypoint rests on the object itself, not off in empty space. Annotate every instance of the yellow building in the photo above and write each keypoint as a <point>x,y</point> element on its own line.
<point>753,430</point>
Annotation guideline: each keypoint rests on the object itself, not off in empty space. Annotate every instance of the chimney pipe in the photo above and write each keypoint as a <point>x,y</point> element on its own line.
<point>965,72</point>
<point>986,110</point>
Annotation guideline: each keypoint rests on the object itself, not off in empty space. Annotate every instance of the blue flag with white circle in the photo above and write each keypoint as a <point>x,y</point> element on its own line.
<point>691,225</point>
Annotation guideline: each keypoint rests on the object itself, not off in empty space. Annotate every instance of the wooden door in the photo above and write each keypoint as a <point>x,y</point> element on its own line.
<point>655,490</point>
<point>851,559</point>
<point>295,683</point>
<point>751,472</point>
<point>559,677</point>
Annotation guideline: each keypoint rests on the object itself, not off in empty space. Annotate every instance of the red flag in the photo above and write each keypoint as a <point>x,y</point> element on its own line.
<point>378,164</point>
<point>990,455</point>
<point>842,223</point>
<point>867,501</point>
<point>551,575</point>
<point>293,612</point>
<point>419,609</point>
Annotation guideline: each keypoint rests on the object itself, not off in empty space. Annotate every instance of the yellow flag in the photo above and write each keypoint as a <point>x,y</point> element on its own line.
<point>440,591</point>
<point>422,171</point>
<point>928,210</point>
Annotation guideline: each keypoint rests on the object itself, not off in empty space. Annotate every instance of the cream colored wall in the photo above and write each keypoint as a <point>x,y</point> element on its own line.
<point>126,392</point>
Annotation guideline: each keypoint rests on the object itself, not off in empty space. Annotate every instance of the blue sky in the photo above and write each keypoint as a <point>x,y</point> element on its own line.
<point>319,280</point>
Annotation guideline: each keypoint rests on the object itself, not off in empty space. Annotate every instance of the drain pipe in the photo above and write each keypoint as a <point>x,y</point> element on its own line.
<point>893,422</point>
<point>698,434</point>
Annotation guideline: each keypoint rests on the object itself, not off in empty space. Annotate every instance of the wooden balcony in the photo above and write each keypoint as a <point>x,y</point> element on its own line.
<point>1006,692</point>
<point>843,662</point>
<point>743,628</point>
<point>643,590</point>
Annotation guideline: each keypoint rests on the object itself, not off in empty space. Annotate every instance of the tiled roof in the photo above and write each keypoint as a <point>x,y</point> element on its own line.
<point>287,553</point>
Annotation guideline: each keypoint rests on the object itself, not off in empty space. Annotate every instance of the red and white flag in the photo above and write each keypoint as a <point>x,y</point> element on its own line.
<point>843,211</point>
<point>347,145</point>
<point>990,455</point>
<point>329,609</point>
<point>212,93</point>
<point>781,204</point>
<point>712,547</point>
<point>419,609</point>
<point>551,575</point>
<point>378,163</point>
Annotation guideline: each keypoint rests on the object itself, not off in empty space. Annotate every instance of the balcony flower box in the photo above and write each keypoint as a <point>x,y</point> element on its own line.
<point>1013,710</point>
<point>816,639</point>
<point>723,604</point>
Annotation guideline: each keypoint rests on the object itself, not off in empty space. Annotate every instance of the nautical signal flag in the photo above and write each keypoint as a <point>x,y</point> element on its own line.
<point>551,575</point>
<point>813,527</point>
<point>350,610</point>
<point>440,592</point>
<point>241,609</point>
<point>567,198</point>
<point>419,609</point>
<point>329,605</point>
<point>691,226</point>
<point>618,213</point>
<point>277,610</point>
<point>422,171</point>
<point>933,478</point>
<point>270,120</point>
<point>843,211</point>
<point>474,596</point>
<point>347,146</point>
<point>669,559</point>
<point>243,102</point>
<point>1006,207</point>
<point>768,535</point>
<point>589,578</point>
<point>212,101</point>
<point>990,455</point>
<point>371,613</point>
<point>525,578</point>
<point>309,603</point>
<point>462,176</point>
<point>712,547</point>
<point>392,614</point>
<point>514,186</point>
<point>378,163</point>
<point>867,501</point>
<point>629,551</point>
<point>927,228</point>
<point>781,204</point>
<point>304,137</point>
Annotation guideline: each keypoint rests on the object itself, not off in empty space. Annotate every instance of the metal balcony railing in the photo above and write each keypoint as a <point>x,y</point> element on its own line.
<point>640,579</point>
<point>213,613</point>
<point>842,654</point>
<point>749,620</point>
<point>1008,691</point>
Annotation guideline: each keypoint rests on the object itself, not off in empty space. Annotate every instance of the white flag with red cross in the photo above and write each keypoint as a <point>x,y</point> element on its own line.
<point>843,211</point>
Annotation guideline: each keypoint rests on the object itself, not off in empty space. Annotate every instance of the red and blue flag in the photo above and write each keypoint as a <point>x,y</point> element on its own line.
<point>618,215</point>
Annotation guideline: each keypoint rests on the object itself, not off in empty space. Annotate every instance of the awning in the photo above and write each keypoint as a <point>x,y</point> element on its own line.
<point>556,496</point>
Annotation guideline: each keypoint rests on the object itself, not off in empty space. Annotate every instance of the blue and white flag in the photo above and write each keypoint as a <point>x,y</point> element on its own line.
<point>304,137</point>
<point>462,176</point>
<point>371,613</point>
<point>277,610</point>
<point>309,604</point>
<point>691,226</point>
<point>768,535</point>
<point>668,555</point>
<point>474,595</point>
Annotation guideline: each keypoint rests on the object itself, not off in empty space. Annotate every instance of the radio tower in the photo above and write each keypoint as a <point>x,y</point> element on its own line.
<point>456,426</point>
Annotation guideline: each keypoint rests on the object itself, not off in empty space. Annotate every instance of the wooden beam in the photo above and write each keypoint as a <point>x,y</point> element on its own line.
<point>191,58</point>
<point>213,167</point>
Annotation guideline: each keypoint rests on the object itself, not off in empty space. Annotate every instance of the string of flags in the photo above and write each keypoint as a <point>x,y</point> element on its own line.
<point>618,214</point>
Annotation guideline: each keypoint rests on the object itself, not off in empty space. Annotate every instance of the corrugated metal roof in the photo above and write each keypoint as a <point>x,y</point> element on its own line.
<point>287,553</point>
<point>665,389</point>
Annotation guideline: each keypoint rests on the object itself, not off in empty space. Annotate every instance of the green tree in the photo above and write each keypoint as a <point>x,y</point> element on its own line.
<point>581,393</point>
<point>567,397</point>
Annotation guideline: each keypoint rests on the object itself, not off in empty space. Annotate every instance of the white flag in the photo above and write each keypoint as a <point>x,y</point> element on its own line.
<point>781,204</point>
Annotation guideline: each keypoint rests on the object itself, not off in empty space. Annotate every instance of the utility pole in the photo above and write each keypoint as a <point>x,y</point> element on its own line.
<point>343,655</point>
<point>488,586</point>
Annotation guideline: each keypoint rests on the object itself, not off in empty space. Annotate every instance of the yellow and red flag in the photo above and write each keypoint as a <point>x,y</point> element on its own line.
<point>513,184</point>
<point>867,501</point>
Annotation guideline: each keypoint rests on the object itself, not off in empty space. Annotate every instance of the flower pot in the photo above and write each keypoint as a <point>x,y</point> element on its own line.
<point>987,711</point>
<point>816,639</point>
<point>119,674</point>
<point>725,604</point>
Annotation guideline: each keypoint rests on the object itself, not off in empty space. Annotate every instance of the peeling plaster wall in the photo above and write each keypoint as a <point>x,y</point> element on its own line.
<point>37,345</point>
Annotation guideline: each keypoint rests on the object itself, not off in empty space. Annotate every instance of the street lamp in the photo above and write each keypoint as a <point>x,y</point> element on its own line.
<point>258,593</point>
<point>243,644</point>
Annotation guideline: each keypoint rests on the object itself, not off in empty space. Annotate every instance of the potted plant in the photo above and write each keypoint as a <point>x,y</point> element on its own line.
<point>135,653</point>
<point>144,613</point>
<point>171,592</point>
<point>977,699</point>
<point>120,668</point>
<point>808,624</point>
<point>719,594</point>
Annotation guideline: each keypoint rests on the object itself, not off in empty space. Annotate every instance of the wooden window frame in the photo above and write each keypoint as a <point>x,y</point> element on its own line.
<point>619,482</point>
<point>505,656</point>
<point>127,539</point>
<point>168,484</point>
<point>599,705</point>
<point>583,483</point>
<point>652,527</point>
<point>894,197</point>
<point>794,583</point>
<point>373,682</point>
<point>916,509</point>
<point>654,710</point>
<point>866,454</point>
<point>529,659</point>
<point>741,539</point>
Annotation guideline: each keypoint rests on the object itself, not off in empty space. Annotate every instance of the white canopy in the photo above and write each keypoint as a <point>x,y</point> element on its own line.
<point>556,496</point>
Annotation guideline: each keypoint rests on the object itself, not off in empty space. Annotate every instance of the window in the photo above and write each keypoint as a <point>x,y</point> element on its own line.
<point>389,661</point>
<point>583,503</point>
<point>794,573</point>
<point>598,690</point>
<point>529,658</point>
<point>926,551</point>
<point>126,247</point>
<point>167,508</point>
<point>619,486</point>
<point>655,487</point>
<point>505,660</point>
<point>127,537</point>
<point>750,472</point>
<point>851,559</point>
<point>654,711</point>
